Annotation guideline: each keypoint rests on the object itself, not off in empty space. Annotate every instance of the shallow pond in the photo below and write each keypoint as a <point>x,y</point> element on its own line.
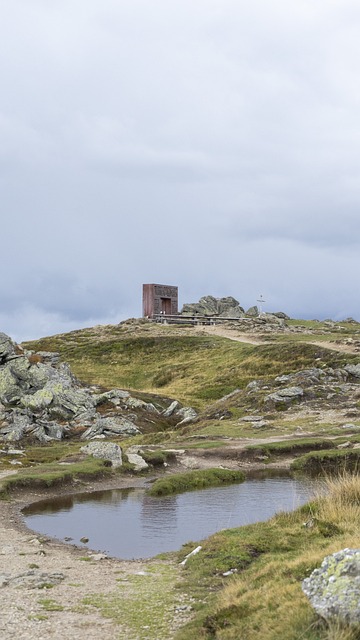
<point>126,523</point>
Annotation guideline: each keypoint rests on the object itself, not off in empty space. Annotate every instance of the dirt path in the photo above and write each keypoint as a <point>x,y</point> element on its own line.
<point>237,336</point>
<point>138,598</point>
<point>223,332</point>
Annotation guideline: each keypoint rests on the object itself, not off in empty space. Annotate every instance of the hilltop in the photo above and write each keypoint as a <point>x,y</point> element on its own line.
<point>244,394</point>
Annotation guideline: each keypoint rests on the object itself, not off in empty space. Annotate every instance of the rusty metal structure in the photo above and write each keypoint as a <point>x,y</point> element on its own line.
<point>159,299</point>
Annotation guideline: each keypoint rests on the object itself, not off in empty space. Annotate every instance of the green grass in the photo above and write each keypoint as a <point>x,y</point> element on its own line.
<point>268,562</point>
<point>50,605</point>
<point>191,480</point>
<point>291,447</point>
<point>50,475</point>
<point>194,369</point>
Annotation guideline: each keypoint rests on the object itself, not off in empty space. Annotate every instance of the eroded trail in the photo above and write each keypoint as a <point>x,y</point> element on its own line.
<point>248,338</point>
<point>223,332</point>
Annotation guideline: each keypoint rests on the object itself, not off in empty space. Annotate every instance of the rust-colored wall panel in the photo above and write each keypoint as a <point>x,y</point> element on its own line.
<point>159,298</point>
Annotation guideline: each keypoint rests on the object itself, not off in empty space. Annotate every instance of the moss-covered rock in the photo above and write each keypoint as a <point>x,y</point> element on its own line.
<point>334,588</point>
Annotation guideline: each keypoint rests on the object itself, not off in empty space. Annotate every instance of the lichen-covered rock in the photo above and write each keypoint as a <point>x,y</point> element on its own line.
<point>334,588</point>
<point>10,391</point>
<point>186,415</point>
<point>104,451</point>
<point>39,401</point>
<point>7,347</point>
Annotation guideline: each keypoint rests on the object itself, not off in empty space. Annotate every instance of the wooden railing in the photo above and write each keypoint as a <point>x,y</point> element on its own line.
<point>164,318</point>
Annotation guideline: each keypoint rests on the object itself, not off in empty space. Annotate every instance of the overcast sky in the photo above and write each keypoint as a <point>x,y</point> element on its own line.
<point>209,144</point>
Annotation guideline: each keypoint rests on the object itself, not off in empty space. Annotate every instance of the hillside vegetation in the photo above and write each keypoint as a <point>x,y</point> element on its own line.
<point>174,362</point>
<point>245,583</point>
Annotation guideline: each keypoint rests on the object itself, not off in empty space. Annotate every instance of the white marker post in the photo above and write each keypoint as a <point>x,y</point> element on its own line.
<point>261,301</point>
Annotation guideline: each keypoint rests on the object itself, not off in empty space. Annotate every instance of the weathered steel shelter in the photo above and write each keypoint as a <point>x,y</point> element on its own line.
<point>159,299</point>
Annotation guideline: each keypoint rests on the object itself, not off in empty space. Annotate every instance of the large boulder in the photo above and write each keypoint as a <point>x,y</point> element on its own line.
<point>104,451</point>
<point>227,307</point>
<point>334,588</point>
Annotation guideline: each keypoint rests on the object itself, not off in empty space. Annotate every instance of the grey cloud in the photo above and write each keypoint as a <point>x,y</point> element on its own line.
<point>211,145</point>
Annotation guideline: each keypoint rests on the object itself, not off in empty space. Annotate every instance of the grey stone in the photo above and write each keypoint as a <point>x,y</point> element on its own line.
<point>38,401</point>
<point>254,385</point>
<point>112,426</point>
<point>344,445</point>
<point>334,588</point>
<point>114,395</point>
<point>136,403</point>
<point>287,395</point>
<point>351,427</point>
<point>174,406</point>
<point>138,462</point>
<point>10,391</point>
<point>253,312</point>
<point>7,347</point>
<point>104,451</point>
<point>283,379</point>
<point>262,424</point>
<point>51,357</point>
<point>33,579</point>
<point>353,369</point>
<point>187,415</point>
<point>18,425</point>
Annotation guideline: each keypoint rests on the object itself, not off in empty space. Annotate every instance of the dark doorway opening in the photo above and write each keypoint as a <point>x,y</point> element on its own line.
<point>166,306</point>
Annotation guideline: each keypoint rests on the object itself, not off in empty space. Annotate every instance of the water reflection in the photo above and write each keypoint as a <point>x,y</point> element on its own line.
<point>129,524</point>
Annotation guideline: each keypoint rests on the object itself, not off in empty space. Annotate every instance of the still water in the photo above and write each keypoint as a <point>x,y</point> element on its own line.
<point>128,524</point>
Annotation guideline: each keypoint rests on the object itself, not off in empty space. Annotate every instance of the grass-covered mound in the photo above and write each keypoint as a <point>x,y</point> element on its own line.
<point>53,474</point>
<point>263,599</point>
<point>335,460</point>
<point>191,480</point>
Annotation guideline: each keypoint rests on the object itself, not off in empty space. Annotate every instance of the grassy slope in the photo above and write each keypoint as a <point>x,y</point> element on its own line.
<point>263,599</point>
<point>171,361</point>
<point>270,558</point>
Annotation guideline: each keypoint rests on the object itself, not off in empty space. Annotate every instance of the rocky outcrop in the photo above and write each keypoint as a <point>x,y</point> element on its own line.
<point>317,388</point>
<point>334,588</point>
<point>229,307</point>
<point>210,306</point>
<point>41,399</point>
